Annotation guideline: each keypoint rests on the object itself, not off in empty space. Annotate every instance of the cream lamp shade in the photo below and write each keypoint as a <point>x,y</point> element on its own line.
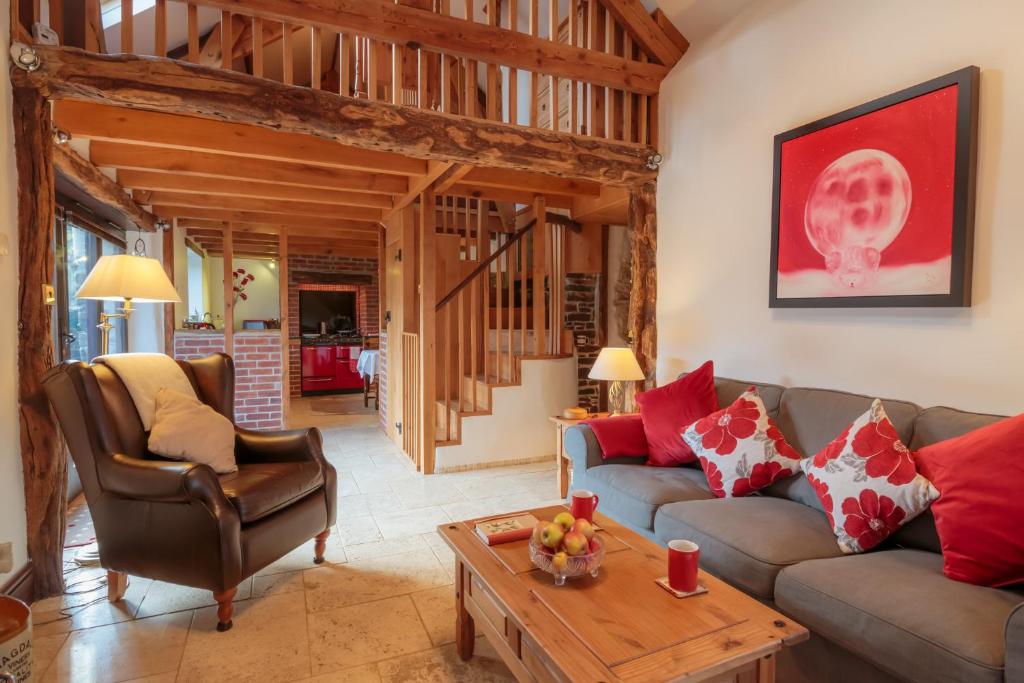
<point>616,363</point>
<point>127,277</point>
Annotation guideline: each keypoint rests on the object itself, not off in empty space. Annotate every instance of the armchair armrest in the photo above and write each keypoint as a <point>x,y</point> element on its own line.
<point>1015,645</point>
<point>292,445</point>
<point>161,481</point>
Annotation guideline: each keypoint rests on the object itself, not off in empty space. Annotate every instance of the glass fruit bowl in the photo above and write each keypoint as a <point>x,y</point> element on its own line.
<point>572,566</point>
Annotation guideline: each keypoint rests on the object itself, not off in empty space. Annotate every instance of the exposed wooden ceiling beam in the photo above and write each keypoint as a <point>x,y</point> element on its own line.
<point>271,232</point>
<point>666,25</point>
<point>356,252</point>
<point>84,174</point>
<point>384,20</point>
<point>536,182</point>
<point>269,238</point>
<point>501,194</point>
<point>435,170</point>
<point>170,86</point>
<point>120,124</point>
<point>454,175</point>
<point>611,207</point>
<point>644,30</point>
<point>147,180</point>
<point>138,157</point>
<point>275,219</point>
<point>354,213</point>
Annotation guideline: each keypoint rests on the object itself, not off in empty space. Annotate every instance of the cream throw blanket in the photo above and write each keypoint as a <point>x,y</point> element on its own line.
<point>144,374</point>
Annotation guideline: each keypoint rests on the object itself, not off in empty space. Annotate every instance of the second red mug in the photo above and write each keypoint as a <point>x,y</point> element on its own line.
<point>682,565</point>
<point>583,504</point>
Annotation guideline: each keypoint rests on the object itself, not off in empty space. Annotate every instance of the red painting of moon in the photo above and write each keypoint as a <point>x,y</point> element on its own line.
<point>865,206</point>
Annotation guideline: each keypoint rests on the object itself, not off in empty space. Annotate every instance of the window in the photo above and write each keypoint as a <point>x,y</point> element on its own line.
<point>78,249</point>
<point>110,10</point>
<point>196,288</point>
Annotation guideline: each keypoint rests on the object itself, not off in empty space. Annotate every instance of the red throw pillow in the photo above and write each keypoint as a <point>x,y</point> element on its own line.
<point>740,448</point>
<point>667,410</point>
<point>980,511</point>
<point>867,482</point>
<point>620,436</point>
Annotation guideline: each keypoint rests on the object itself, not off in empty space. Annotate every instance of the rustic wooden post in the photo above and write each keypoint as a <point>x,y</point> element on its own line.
<point>43,457</point>
<point>539,268</point>
<point>643,230</point>
<point>286,349</point>
<point>428,329</point>
<point>229,290</point>
<point>169,309</point>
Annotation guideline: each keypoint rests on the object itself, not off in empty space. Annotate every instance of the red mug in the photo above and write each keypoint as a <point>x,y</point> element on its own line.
<point>583,505</point>
<point>682,565</point>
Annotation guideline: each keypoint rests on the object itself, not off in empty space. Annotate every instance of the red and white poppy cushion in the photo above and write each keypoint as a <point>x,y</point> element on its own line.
<point>740,448</point>
<point>867,482</point>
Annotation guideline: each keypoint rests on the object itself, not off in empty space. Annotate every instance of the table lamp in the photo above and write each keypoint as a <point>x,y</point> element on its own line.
<point>127,278</point>
<point>617,364</point>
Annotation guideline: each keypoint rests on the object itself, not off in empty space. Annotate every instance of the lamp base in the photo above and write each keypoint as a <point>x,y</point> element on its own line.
<point>617,397</point>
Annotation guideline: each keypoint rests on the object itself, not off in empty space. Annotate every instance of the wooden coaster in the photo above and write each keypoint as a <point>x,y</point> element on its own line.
<point>663,582</point>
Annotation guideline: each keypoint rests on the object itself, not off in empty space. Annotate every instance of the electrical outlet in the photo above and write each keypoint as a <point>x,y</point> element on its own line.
<point>6,558</point>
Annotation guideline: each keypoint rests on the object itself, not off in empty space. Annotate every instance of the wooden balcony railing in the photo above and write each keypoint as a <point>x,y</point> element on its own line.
<point>303,51</point>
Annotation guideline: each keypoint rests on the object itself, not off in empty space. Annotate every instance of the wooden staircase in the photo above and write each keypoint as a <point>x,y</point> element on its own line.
<point>502,306</point>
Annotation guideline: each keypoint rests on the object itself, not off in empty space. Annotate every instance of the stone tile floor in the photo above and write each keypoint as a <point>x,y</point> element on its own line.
<point>380,609</point>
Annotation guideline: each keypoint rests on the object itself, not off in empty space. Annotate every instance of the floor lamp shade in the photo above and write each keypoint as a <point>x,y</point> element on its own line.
<point>124,277</point>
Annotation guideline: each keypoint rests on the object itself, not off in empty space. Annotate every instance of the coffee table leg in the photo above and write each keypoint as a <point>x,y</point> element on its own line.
<point>465,632</point>
<point>766,669</point>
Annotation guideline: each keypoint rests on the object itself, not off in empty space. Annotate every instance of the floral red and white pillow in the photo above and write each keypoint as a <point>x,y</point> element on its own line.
<point>867,482</point>
<point>740,448</point>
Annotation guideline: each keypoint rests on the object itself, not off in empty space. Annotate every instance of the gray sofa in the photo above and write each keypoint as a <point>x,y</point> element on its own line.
<point>886,615</point>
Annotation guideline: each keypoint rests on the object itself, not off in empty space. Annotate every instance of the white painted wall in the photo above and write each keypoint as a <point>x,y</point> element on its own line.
<point>146,325</point>
<point>264,302</point>
<point>12,494</point>
<point>518,427</point>
<point>782,63</point>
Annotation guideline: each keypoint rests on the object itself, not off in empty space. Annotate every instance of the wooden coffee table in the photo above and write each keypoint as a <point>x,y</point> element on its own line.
<point>620,626</point>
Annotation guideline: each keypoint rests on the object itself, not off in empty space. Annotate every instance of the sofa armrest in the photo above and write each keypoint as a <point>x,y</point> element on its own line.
<point>161,481</point>
<point>582,447</point>
<point>1014,636</point>
<point>292,445</point>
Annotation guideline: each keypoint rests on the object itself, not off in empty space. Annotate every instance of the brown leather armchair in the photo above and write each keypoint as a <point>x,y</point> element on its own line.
<point>178,521</point>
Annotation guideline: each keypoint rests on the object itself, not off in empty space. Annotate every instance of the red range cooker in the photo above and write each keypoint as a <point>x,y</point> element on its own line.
<point>327,368</point>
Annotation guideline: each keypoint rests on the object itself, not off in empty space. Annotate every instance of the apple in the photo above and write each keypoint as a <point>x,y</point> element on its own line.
<point>584,527</point>
<point>560,561</point>
<point>551,535</point>
<point>595,544</point>
<point>575,543</point>
<point>537,531</point>
<point>565,520</point>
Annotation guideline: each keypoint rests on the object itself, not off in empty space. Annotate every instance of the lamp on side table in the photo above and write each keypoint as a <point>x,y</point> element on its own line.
<point>617,365</point>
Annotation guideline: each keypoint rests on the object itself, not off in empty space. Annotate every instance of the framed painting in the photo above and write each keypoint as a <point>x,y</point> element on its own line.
<point>874,206</point>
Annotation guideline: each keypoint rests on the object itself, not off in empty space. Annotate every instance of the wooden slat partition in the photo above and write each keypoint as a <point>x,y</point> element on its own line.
<point>410,394</point>
<point>427,77</point>
<point>539,212</point>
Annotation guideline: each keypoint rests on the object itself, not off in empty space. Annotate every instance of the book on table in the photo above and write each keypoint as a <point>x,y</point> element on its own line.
<point>505,529</point>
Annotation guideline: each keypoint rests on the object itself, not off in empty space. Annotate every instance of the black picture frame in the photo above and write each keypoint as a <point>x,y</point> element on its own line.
<point>968,81</point>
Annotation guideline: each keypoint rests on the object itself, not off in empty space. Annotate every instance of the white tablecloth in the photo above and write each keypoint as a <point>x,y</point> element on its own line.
<point>368,362</point>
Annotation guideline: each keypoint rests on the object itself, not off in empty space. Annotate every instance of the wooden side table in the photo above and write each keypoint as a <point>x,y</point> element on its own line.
<point>564,464</point>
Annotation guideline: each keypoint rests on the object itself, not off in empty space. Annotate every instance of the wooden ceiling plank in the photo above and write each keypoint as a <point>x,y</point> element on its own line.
<point>143,158</point>
<point>500,194</point>
<point>120,124</point>
<point>258,217</point>
<point>153,180</point>
<point>83,173</point>
<point>358,213</point>
<point>170,86</point>
<point>633,17</point>
<point>536,182</point>
<point>384,20</point>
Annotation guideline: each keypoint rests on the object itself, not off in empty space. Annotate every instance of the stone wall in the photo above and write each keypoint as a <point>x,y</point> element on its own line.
<point>582,316</point>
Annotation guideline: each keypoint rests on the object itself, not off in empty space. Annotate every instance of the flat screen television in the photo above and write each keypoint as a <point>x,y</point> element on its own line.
<point>336,309</point>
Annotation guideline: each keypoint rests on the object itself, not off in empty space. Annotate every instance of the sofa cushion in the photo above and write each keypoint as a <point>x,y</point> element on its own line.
<point>261,489</point>
<point>633,493</point>
<point>811,418</point>
<point>897,610</point>
<point>933,425</point>
<point>667,410</point>
<point>748,541</point>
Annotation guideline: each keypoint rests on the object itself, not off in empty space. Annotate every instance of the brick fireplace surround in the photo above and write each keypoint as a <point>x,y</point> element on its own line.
<point>315,272</point>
